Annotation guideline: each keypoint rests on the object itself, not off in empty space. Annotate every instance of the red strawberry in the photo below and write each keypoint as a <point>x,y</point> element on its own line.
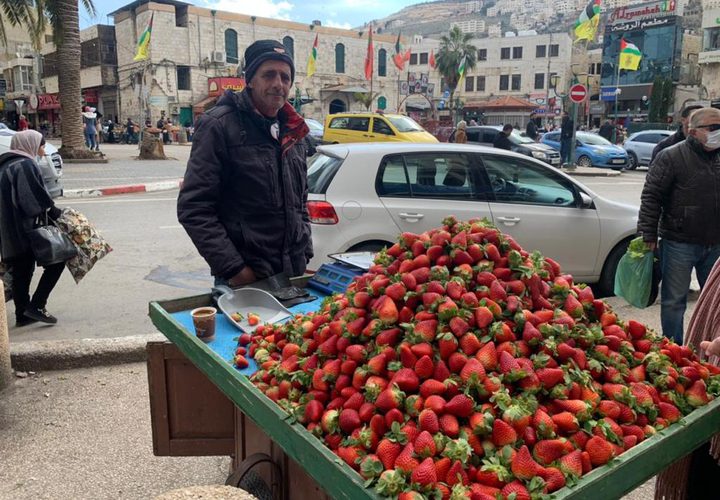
<point>407,380</point>
<point>425,444</point>
<point>669,412</point>
<point>573,306</point>
<point>396,291</point>
<point>469,343</point>
<point>456,474</point>
<point>313,411</point>
<point>430,387</point>
<point>350,454</point>
<point>636,329</point>
<point>386,310</point>
<point>550,377</point>
<point>543,424</point>
<point>428,421</point>
<point>450,426</point>
<point>483,317</point>
<point>472,373</point>
<point>424,367</point>
<point>523,466</point>
<point>696,394</point>
<point>566,422</point>
<point>487,355</point>
<point>554,479</point>
<point>388,451</point>
<point>405,460</point>
<point>503,433</point>
<point>425,474</point>
<point>518,489</point>
<point>460,406</point>
<point>390,398</point>
<point>549,450</point>
<point>572,463</point>
<point>600,451</point>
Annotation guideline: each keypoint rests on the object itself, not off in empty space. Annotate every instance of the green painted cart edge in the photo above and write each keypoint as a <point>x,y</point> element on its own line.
<point>643,461</point>
<point>330,472</point>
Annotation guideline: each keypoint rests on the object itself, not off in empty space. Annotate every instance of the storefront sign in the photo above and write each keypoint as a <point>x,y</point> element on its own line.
<point>90,96</point>
<point>649,10</point>
<point>709,57</point>
<point>608,93</point>
<point>33,103</point>
<point>48,101</point>
<point>217,86</point>
<point>641,24</point>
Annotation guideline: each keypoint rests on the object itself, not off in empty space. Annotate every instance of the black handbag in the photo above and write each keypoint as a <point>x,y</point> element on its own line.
<point>50,245</point>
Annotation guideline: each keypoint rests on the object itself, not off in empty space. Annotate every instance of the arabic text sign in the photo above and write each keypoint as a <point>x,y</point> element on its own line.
<point>641,24</point>
<point>654,9</point>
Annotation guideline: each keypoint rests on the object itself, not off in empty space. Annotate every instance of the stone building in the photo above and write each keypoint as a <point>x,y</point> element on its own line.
<point>709,57</point>
<point>191,48</point>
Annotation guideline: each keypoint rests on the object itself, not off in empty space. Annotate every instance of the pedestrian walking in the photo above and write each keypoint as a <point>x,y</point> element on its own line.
<point>680,204</point>
<point>531,130</point>
<point>606,130</point>
<point>461,132</point>
<point>23,199</point>
<point>502,140</point>
<point>679,135</point>
<point>567,128</point>
<point>23,124</point>
<point>243,199</point>
<point>90,127</point>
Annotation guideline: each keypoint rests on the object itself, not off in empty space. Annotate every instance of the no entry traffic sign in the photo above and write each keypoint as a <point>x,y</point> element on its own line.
<point>578,93</point>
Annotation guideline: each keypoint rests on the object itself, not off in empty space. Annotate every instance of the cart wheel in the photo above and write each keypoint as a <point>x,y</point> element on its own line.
<point>244,477</point>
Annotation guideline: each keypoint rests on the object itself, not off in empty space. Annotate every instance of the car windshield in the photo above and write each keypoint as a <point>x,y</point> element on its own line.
<point>592,139</point>
<point>405,124</point>
<point>321,170</point>
<point>314,125</point>
<point>516,138</point>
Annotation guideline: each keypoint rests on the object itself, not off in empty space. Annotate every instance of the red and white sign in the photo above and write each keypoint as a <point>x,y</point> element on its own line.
<point>578,93</point>
<point>48,101</point>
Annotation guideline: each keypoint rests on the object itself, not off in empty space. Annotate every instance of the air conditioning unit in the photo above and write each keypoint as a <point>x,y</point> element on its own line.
<point>217,56</point>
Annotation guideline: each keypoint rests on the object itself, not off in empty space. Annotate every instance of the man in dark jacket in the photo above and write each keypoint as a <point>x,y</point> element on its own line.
<point>567,127</point>
<point>502,141</point>
<point>682,196</point>
<point>606,130</point>
<point>531,130</point>
<point>243,198</point>
<point>678,136</point>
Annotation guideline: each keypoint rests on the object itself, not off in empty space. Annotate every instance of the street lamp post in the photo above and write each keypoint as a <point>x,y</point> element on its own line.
<point>618,91</point>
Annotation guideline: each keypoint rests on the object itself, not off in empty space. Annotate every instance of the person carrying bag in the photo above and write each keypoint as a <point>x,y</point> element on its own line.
<point>24,199</point>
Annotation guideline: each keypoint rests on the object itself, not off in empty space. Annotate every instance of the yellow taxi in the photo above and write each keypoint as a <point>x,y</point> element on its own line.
<point>342,128</point>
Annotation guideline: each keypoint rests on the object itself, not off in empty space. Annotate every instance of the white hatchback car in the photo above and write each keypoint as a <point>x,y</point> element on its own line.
<point>362,196</point>
<point>640,145</point>
<point>50,166</point>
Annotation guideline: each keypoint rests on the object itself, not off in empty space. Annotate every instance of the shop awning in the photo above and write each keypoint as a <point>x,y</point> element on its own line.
<point>203,105</point>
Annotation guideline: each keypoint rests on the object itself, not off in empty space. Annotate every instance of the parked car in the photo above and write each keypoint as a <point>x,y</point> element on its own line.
<point>314,138</point>
<point>51,164</point>
<point>640,145</point>
<point>343,128</point>
<point>361,196</point>
<point>592,150</point>
<point>486,134</point>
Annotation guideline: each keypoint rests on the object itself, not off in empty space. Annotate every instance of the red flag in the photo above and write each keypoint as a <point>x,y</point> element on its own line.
<point>407,55</point>
<point>399,60</point>
<point>432,60</point>
<point>369,57</point>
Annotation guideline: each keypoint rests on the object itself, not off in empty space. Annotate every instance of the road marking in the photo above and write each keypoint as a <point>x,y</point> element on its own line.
<point>170,227</point>
<point>77,201</point>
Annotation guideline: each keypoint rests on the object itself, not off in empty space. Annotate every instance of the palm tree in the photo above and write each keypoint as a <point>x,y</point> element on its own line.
<point>64,19</point>
<point>453,48</point>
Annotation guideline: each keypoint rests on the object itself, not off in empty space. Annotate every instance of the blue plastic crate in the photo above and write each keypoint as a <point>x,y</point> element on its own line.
<point>333,278</point>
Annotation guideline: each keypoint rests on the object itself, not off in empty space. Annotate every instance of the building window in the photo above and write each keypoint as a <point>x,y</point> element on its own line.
<point>413,59</point>
<point>539,81</point>
<point>711,41</point>
<point>554,50</point>
<point>515,82</point>
<point>480,84</point>
<point>382,62</point>
<point>289,45</point>
<point>504,82</point>
<point>48,39</point>
<point>505,53</point>
<point>470,84</point>
<point>231,47</point>
<point>517,52</point>
<point>183,78</point>
<point>339,58</point>
<point>540,51</point>
<point>181,16</point>
<point>423,58</point>
<point>23,78</point>
<point>482,55</point>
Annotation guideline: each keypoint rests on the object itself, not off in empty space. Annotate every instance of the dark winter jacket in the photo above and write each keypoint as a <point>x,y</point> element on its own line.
<point>243,198</point>
<point>606,131</point>
<point>531,130</point>
<point>682,193</point>
<point>23,198</point>
<point>502,141</point>
<point>671,140</point>
<point>566,128</point>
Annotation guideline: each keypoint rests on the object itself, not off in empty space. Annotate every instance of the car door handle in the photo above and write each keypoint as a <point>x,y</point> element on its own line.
<point>407,216</point>
<point>509,221</point>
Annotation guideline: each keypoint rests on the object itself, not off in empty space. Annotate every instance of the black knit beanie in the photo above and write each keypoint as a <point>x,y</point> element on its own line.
<point>264,50</point>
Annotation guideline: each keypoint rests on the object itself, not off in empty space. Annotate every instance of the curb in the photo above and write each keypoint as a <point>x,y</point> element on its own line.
<point>48,355</point>
<point>135,188</point>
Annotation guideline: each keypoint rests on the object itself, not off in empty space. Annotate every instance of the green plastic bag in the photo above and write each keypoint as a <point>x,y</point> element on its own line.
<point>634,275</point>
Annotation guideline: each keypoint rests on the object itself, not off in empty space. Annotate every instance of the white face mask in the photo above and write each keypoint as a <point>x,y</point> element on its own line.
<point>713,140</point>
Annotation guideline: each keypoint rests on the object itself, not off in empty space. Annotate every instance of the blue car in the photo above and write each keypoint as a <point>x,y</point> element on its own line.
<point>592,150</point>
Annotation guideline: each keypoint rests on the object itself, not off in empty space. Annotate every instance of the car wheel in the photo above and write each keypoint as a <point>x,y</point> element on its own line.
<point>584,161</point>
<point>632,161</point>
<point>370,246</point>
<point>606,286</point>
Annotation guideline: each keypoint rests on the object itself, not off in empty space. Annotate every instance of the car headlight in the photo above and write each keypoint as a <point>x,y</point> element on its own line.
<point>539,155</point>
<point>600,152</point>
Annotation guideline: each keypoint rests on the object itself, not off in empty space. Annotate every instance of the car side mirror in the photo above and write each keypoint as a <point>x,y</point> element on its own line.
<point>586,201</point>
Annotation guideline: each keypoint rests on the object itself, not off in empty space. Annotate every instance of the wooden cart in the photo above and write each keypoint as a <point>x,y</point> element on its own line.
<point>201,405</point>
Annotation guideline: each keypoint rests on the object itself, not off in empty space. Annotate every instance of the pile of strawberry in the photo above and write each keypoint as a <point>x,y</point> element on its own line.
<point>462,366</point>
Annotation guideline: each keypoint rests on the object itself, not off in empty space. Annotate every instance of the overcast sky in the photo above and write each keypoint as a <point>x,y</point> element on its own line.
<point>337,13</point>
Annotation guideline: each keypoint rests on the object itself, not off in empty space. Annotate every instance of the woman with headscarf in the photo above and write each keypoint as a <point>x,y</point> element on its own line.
<point>461,133</point>
<point>89,118</point>
<point>23,199</point>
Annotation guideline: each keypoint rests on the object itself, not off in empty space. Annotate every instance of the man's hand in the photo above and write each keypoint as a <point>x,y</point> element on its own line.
<point>711,348</point>
<point>652,245</point>
<point>244,277</point>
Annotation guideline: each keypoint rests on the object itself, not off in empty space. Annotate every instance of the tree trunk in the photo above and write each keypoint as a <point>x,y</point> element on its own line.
<point>68,54</point>
<point>452,106</point>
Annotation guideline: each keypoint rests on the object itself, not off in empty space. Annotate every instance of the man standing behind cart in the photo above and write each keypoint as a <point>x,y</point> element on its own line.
<point>243,198</point>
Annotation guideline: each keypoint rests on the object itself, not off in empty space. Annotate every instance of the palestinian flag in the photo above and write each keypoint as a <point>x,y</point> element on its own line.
<point>369,57</point>
<point>143,45</point>
<point>432,62</point>
<point>399,57</point>
<point>312,60</point>
<point>630,56</point>
<point>587,24</point>
<point>461,71</point>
